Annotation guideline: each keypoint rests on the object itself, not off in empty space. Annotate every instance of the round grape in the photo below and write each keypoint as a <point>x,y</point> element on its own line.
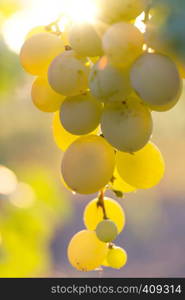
<point>116,258</point>
<point>80,114</point>
<point>106,231</point>
<point>88,164</point>
<point>85,251</point>
<point>38,52</point>
<point>143,169</point>
<point>127,126</point>
<point>108,83</point>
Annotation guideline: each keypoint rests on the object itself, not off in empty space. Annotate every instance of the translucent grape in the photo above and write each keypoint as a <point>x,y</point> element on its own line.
<point>123,43</point>
<point>80,114</point>
<point>93,214</point>
<point>68,75</point>
<point>112,11</point>
<point>143,169</point>
<point>88,164</point>
<point>85,39</point>
<point>38,51</point>
<point>85,251</point>
<point>118,184</point>
<point>117,258</point>
<point>44,97</point>
<point>106,231</point>
<point>127,126</point>
<point>108,83</point>
<point>36,30</point>
<point>62,138</point>
<point>156,80</point>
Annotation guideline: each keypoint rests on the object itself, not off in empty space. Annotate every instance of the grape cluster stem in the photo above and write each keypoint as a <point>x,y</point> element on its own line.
<point>102,204</point>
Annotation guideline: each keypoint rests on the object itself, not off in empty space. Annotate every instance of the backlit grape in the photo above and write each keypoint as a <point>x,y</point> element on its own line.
<point>106,231</point>
<point>117,257</point>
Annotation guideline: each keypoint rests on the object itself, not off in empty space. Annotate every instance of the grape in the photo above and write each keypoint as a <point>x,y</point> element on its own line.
<point>112,11</point>
<point>38,51</point>
<point>63,138</point>
<point>85,39</point>
<point>108,83</point>
<point>68,75</point>
<point>118,184</point>
<point>106,231</point>
<point>156,79</point>
<point>117,257</point>
<point>143,169</point>
<point>85,251</point>
<point>80,114</point>
<point>44,97</point>
<point>122,43</point>
<point>88,164</point>
<point>127,126</point>
<point>93,214</point>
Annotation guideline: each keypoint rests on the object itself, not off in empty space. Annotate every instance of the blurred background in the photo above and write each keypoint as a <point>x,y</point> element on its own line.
<point>38,216</point>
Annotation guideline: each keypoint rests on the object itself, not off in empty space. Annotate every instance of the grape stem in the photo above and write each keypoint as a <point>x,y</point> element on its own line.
<point>102,204</point>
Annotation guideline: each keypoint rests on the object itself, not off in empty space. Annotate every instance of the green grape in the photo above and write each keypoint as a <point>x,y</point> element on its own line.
<point>143,169</point>
<point>44,97</point>
<point>106,231</point>
<point>62,138</point>
<point>88,164</point>
<point>85,251</point>
<point>80,114</point>
<point>116,258</point>
<point>156,80</point>
<point>108,83</point>
<point>93,214</point>
<point>85,38</point>
<point>112,11</point>
<point>38,52</point>
<point>123,43</point>
<point>118,184</point>
<point>127,126</point>
<point>68,75</point>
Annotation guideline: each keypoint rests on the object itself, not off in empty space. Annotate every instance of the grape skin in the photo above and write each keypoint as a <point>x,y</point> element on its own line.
<point>85,39</point>
<point>44,97</point>
<point>112,11</point>
<point>116,258</point>
<point>80,114</point>
<point>68,75</point>
<point>143,169</point>
<point>123,43</point>
<point>106,231</point>
<point>88,164</point>
<point>93,214</point>
<point>156,79</point>
<point>127,126</point>
<point>118,184</point>
<point>108,83</point>
<point>85,251</point>
<point>38,51</point>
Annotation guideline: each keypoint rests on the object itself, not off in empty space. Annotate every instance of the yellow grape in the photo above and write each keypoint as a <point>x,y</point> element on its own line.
<point>38,52</point>
<point>123,43</point>
<point>93,214</point>
<point>88,164</point>
<point>142,169</point>
<point>112,11</point>
<point>156,79</point>
<point>63,138</point>
<point>116,257</point>
<point>85,251</point>
<point>44,97</point>
<point>118,184</point>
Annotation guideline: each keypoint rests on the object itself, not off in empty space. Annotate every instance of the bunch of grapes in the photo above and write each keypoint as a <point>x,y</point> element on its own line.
<point>102,81</point>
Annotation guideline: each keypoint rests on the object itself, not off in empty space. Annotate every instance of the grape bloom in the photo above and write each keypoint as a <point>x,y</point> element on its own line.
<point>102,80</point>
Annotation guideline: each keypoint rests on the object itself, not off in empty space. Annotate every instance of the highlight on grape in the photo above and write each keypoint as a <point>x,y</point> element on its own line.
<point>102,78</point>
